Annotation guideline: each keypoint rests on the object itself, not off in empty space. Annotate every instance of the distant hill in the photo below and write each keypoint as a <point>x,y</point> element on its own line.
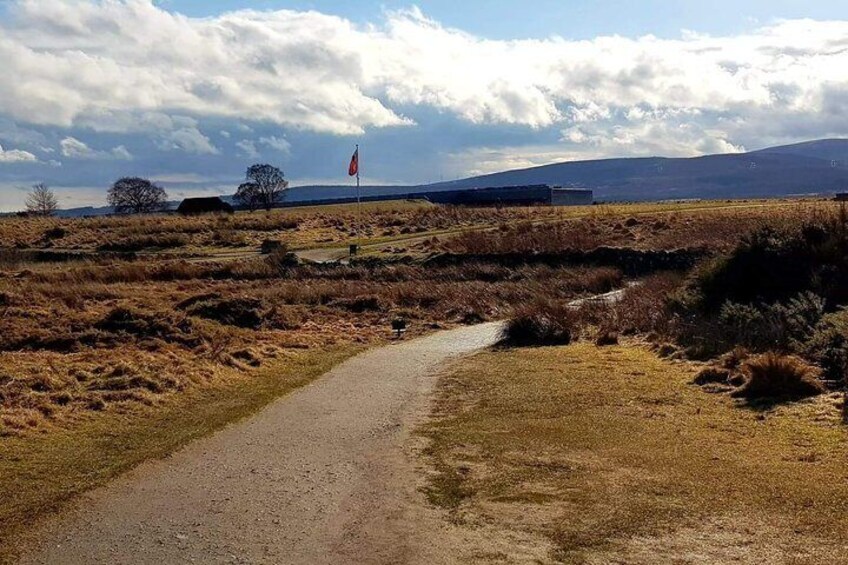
<point>813,167</point>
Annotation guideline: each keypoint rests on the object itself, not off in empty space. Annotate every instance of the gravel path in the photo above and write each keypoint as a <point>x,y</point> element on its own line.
<point>324,475</point>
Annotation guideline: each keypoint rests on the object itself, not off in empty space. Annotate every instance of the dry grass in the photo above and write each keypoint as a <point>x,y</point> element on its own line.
<point>100,351</point>
<point>775,376</point>
<point>87,338</point>
<point>379,222</point>
<point>613,456</point>
<point>41,473</point>
<point>134,233</point>
<point>299,227</point>
<point>659,229</point>
<point>179,323</point>
<point>540,323</point>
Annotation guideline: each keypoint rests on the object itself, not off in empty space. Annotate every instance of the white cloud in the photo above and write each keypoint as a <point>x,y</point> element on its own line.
<point>640,133</point>
<point>85,61</point>
<point>248,148</point>
<point>73,148</point>
<point>16,156</point>
<point>277,144</point>
<point>479,161</point>
<point>188,139</point>
<point>123,66</point>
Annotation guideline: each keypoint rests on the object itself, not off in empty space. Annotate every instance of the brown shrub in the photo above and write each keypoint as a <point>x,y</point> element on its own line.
<point>734,358</point>
<point>640,309</point>
<point>776,376</point>
<point>606,338</point>
<point>286,317</point>
<point>239,312</point>
<point>539,324</point>
<point>281,259</point>
<point>162,241</point>
<point>666,350</point>
<point>359,304</point>
<point>143,325</point>
<point>248,357</point>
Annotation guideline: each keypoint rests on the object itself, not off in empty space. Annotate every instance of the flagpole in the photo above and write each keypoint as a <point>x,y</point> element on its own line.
<point>358,199</point>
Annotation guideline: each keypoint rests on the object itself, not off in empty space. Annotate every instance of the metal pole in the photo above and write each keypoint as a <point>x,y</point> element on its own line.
<point>358,199</point>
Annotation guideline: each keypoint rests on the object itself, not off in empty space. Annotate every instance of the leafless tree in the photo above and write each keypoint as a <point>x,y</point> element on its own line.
<point>133,195</point>
<point>42,201</point>
<point>248,195</point>
<point>265,186</point>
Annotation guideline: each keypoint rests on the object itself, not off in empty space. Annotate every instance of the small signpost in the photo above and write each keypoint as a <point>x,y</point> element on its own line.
<point>399,327</point>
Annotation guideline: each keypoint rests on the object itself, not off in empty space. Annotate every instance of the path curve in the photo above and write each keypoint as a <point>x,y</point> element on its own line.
<point>323,475</point>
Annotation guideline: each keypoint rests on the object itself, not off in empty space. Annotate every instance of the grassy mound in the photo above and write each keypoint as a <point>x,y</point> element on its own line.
<point>775,376</point>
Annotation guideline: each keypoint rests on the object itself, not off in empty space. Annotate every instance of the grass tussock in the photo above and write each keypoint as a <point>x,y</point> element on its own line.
<point>239,312</point>
<point>775,376</point>
<point>541,323</point>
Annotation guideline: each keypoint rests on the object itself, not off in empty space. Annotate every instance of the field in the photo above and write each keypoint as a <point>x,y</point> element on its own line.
<point>611,455</point>
<point>698,417</point>
<point>125,337</point>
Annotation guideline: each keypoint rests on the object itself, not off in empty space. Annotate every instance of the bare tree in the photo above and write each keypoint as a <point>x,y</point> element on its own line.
<point>42,201</point>
<point>265,187</point>
<point>248,194</point>
<point>134,195</point>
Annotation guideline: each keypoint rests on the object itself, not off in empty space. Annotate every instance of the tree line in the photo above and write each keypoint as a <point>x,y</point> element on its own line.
<point>264,187</point>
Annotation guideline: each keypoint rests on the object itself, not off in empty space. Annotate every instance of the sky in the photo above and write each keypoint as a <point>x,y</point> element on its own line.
<point>189,92</point>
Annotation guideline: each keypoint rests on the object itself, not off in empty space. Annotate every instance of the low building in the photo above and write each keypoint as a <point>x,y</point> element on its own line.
<point>206,205</point>
<point>572,197</point>
<point>530,195</point>
<point>841,197</point>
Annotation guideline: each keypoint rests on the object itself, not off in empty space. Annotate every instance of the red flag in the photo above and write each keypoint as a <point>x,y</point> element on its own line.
<point>353,170</point>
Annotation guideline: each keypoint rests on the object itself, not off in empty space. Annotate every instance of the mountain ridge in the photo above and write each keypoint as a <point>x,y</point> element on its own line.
<point>812,167</point>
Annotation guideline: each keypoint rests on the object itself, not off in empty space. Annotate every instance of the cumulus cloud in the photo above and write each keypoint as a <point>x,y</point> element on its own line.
<point>248,148</point>
<point>16,156</point>
<point>73,148</point>
<point>277,144</point>
<point>188,139</point>
<point>87,61</point>
<point>485,160</point>
<point>71,60</point>
<point>128,67</point>
<point>640,132</point>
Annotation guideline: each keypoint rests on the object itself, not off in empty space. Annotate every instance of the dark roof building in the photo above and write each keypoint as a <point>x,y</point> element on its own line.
<point>207,205</point>
<point>531,195</point>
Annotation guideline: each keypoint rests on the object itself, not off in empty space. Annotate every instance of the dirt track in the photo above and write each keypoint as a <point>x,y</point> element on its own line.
<point>324,475</point>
